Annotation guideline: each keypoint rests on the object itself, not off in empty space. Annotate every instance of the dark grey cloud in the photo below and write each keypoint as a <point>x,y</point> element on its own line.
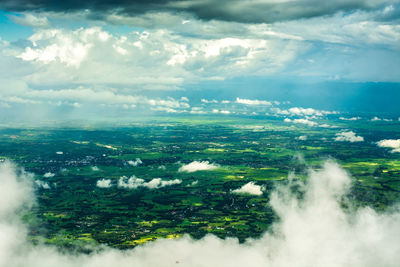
<point>227,10</point>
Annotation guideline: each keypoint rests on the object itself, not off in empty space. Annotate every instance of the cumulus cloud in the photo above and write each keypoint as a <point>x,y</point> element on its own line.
<point>315,224</point>
<point>104,183</point>
<point>48,175</point>
<point>133,182</point>
<point>89,56</point>
<point>209,101</point>
<point>198,166</point>
<point>348,136</point>
<point>390,143</point>
<point>95,168</point>
<point>302,137</point>
<point>253,102</point>
<point>380,119</point>
<point>135,162</point>
<point>250,188</point>
<point>221,111</point>
<point>350,119</point>
<point>42,184</point>
<point>299,111</point>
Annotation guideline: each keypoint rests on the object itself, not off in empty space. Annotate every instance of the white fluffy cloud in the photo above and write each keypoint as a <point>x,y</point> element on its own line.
<point>95,56</point>
<point>302,137</point>
<point>348,136</point>
<point>104,183</point>
<point>380,119</point>
<point>95,168</point>
<point>48,175</point>
<point>135,162</point>
<point>198,166</point>
<point>221,111</point>
<point>252,102</point>
<point>390,143</point>
<point>42,184</point>
<point>133,182</point>
<point>316,224</point>
<point>299,111</point>
<point>250,188</point>
<point>350,119</point>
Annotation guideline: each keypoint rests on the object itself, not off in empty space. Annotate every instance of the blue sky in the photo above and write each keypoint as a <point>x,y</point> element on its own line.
<point>137,53</point>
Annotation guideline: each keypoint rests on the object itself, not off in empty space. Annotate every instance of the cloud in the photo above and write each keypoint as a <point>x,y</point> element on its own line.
<point>301,121</point>
<point>250,188</point>
<point>198,166</point>
<point>16,191</point>
<point>234,10</point>
<point>252,102</point>
<point>380,119</point>
<point>135,163</point>
<point>299,111</point>
<point>348,136</point>
<point>302,137</point>
<point>104,183</point>
<point>350,119</point>
<point>95,168</point>
<point>31,20</point>
<point>315,224</point>
<point>48,175</point>
<point>133,182</point>
<point>42,184</point>
<point>197,110</point>
<point>221,111</point>
<point>390,143</point>
<point>60,66</point>
<point>208,101</point>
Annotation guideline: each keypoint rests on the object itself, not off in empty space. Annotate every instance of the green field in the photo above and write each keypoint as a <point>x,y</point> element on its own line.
<point>74,212</point>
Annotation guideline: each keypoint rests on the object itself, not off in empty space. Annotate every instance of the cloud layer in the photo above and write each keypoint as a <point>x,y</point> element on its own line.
<point>234,10</point>
<point>316,224</point>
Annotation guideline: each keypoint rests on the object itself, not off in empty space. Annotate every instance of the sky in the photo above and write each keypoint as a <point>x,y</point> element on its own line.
<point>74,57</point>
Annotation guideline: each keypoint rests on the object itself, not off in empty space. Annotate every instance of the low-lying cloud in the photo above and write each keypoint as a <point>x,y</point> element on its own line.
<point>302,121</point>
<point>250,189</point>
<point>253,102</point>
<point>390,143</point>
<point>299,111</point>
<point>348,136</point>
<point>133,182</point>
<point>198,166</point>
<point>314,230</point>
<point>104,183</point>
<point>135,162</point>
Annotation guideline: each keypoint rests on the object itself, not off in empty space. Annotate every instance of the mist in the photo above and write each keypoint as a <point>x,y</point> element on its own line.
<point>313,229</point>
